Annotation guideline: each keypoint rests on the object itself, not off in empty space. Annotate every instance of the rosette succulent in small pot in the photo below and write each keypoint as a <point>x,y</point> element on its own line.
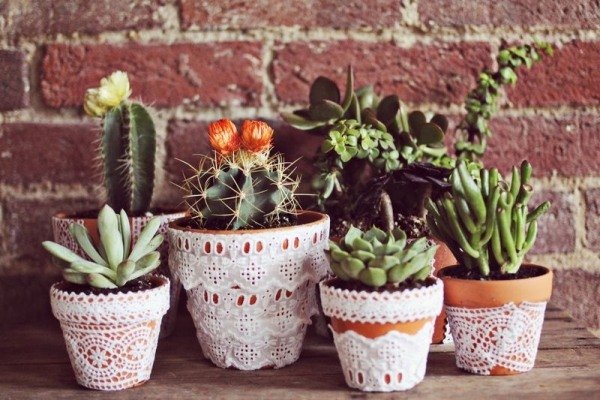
<point>495,301</point>
<point>382,302</point>
<point>109,304</point>
<point>248,258</point>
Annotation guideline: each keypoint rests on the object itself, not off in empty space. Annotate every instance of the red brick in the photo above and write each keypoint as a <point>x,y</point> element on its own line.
<point>441,73</point>
<point>233,14</point>
<point>13,80</point>
<point>579,292</point>
<point>570,77</point>
<point>186,140</point>
<point>41,17</point>
<point>556,228</point>
<point>39,152</point>
<point>592,218</point>
<point>456,13</point>
<point>164,75</point>
<point>566,145</point>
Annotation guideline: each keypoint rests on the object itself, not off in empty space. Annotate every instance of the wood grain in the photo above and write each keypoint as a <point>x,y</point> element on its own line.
<point>34,365</point>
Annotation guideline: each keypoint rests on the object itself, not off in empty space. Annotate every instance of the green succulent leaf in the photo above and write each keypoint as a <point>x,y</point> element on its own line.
<point>324,89</point>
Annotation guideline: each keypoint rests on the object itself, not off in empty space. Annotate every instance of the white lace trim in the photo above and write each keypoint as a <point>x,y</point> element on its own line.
<point>394,361</point>
<point>111,339</point>
<point>384,307</point>
<point>506,336</point>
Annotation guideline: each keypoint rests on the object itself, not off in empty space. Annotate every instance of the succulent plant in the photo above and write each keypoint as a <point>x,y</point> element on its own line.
<point>128,144</point>
<point>113,262</point>
<point>485,220</point>
<point>241,185</point>
<point>376,258</point>
<point>481,102</point>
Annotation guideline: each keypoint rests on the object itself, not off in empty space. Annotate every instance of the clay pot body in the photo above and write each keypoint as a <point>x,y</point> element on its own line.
<point>443,258</point>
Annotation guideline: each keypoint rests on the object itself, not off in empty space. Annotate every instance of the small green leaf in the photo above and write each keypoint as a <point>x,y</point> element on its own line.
<point>324,88</point>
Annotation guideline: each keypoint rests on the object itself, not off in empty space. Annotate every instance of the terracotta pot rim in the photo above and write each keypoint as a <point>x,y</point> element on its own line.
<point>316,218</point>
<point>66,215</point>
<point>503,282</point>
<point>160,280</point>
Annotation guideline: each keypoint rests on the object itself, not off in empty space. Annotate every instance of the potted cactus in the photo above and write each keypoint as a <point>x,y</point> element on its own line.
<point>109,305</point>
<point>495,302</point>
<point>248,258</point>
<point>382,304</point>
<point>128,147</point>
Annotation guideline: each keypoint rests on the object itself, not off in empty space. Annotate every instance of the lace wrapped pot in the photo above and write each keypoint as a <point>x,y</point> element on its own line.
<point>111,338</point>
<point>60,226</point>
<point>496,324</point>
<point>251,293</point>
<point>382,338</point>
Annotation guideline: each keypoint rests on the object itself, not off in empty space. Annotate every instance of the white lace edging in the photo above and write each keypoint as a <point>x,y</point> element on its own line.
<point>506,336</point>
<point>394,361</point>
<point>382,307</point>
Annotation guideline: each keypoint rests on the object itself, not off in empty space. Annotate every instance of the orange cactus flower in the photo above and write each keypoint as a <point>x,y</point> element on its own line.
<point>256,136</point>
<point>223,136</point>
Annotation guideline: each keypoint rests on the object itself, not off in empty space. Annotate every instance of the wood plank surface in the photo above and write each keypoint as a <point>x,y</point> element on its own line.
<point>34,365</point>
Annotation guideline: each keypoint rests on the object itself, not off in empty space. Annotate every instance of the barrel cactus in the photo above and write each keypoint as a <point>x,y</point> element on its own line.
<point>241,185</point>
<point>128,144</point>
<point>485,220</point>
<point>113,263</point>
<point>376,258</point>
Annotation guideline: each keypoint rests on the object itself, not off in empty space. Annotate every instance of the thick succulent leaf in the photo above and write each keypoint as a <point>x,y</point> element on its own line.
<point>60,252</point>
<point>144,239</point>
<point>352,234</point>
<point>110,236</point>
<point>349,89</point>
<point>125,231</point>
<point>441,121</point>
<point>369,117</point>
<point>325,110</point>
<point>124,271</point>
<point>374,277</point>
<point>74,277</point>
<point>388,108</point>
<point>429,133</point>
<point>415,120</point>
<point>300,122</point>
<point>81,235</point>
<point>100,281</point>
<point>324,88</point>
<point>353,266</point>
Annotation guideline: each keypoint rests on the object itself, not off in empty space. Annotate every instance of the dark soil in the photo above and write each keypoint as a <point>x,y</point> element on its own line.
<point>414,226</point>
<point>358,286</point>
<point>524,272</point>
<point>92,214</point>
<point>221,225</point>
<point>137,285</point>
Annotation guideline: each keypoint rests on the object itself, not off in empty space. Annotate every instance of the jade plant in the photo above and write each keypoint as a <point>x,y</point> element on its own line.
<point>241,185</point>
<point>485,220</point>
<point>113,262</point>
<point>128,144</point>
<point>375,258</point>
<point>482,102</point>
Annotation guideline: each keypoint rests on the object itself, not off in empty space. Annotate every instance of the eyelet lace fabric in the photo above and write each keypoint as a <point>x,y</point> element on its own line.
<point>506,336</point>
<point>251,296</point>
<point>111,339</point>
<point>63,237</point>
<point>382,307</point>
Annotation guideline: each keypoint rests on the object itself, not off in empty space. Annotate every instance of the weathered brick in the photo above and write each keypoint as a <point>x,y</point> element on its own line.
<point>570,77</point>
<point>440,73</point>
<point>13,80</point>
<point>592,218</point>
<point>556,228</point>
<point>565,145</point>
<point>232,14</point>
<point>164,75</point>
<point>44,152</point>
<point>41,17</point>
<point>186,140</point>
<point>528,13</point>
<point>579,292</point>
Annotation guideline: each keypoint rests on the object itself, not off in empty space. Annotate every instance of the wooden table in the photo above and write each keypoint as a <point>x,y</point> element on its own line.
<point>34,365</point>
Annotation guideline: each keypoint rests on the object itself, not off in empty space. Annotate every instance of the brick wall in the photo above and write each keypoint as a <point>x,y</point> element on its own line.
<point>195,61</point>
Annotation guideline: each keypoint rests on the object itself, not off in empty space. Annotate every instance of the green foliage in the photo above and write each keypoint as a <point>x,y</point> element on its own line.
<point>376,258</point>
<point>481,102</point>
<point>241,191</point>
<point>113,262</point>
<point>485,220</point>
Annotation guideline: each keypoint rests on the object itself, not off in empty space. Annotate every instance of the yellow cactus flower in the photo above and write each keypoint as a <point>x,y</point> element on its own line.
<point>91,105</point>
<point>114,89</point>
<point>256,136</point>
<point>223,136</point>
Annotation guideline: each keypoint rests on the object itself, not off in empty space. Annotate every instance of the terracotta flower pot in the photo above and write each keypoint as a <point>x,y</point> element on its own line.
<point>496,324</point>
<point>443,258</point>
<point>60,226</point>
<point>111,338</point>
<point>382,338</point>
<point>251,293</point>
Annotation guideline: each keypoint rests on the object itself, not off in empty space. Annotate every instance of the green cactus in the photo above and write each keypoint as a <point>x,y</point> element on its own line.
<point>376,258</point>
<point>484,220</point>
<point>113,263</point>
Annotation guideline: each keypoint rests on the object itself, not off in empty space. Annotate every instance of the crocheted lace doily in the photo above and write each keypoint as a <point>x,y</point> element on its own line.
<point>506,336</point>
<point>282,258</point>
<point>394,361</point>
<point>111,339</point>
<point>62,236</point>
<point>382,307</point>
